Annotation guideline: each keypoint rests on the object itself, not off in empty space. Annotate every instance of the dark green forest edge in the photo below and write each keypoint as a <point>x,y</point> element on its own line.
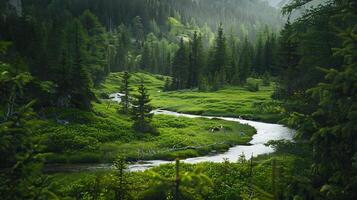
<point>60,60</point>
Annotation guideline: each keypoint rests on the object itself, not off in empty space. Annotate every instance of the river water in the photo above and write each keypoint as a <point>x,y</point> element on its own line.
<point>265,133</point>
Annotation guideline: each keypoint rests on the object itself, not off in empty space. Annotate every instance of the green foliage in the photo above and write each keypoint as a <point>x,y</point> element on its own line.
<point>141,111</point>
<point>80,81</point>
<point>245,62</point>
<point>196,60</point>
<point>324,98</point>
<point>252,85</point>
<point>96,46</point>
<point>20,175</point>
<point>219,60</point>
<point>215,181</point>
<point>189,185</point>
<point>180,67</point>
<point>121,183</point>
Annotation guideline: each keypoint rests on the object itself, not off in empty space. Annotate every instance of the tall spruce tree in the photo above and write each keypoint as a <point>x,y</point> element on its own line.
<point>324,115</point>
<point>180,68</point>
<point>258,64</point>
<point>20,175</point>
<point>81,93</point>
<point>96,46</point>
<point>335,141</point>
<point>220,58</point>
<point>269,53</point>
<point>288,59</point>
<point>196,60</point>
<point>245,61</point>
<point>141,111</point>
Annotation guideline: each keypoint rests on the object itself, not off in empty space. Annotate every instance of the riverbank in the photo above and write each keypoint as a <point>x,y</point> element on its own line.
<point>265,132</point>
<point>100,136</point>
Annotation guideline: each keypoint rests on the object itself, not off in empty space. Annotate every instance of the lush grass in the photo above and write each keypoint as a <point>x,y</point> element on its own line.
<point>230,180</point>
<point>229,101</point>
<point>101,135</point>
<point>182,137</point>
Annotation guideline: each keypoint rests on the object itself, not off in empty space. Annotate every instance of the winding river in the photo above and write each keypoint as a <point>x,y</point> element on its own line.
<point>265,133</point>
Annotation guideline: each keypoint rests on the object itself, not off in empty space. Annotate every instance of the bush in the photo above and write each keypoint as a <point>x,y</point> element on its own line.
<point>145,128</point>
<point>252,85</point>
<point>65,141</point>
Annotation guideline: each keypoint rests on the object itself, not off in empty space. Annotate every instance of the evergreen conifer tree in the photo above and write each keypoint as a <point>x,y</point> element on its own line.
<point>196,60</point>
<point>180,68</point>
<point>141,111</point>
<point>220,59</point>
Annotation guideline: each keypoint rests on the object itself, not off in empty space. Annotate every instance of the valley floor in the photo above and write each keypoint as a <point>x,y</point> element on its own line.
<point>230,101</point>
<point>74,136</point>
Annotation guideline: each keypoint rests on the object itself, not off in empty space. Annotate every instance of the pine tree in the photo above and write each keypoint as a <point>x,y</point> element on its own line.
<point>334,140</point>
<point>196,60</point>
<point>233,71</point>
<point>220,58</point>
<point>121,183</point>
<point>20,176</point>
<point>180,68</point>
<point>327,110</point>
<point>269,53</point>
<point>287,61</point>
<point>96,46</point>
<point>258,66</point>
<point>141,111</point>
<point>125,89</point>
<point>81,82</point>
<point>177,187</point>
<point>122,46</point>
<point>245,61</point>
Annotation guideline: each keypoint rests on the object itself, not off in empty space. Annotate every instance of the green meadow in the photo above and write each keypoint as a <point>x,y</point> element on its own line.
<point>100,136</point>
<point>230,101</point>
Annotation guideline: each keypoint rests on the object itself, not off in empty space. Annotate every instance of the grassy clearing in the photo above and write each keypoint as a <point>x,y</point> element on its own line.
<point>229,101</point>
<point>100,136</point>
<point>183,137</point>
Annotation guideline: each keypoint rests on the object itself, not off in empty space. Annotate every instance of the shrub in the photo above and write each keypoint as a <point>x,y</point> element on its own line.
<point>66,141</point>
<point>252,85</point>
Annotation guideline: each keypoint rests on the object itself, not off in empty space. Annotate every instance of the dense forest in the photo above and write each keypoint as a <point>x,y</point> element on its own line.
<point>61,62</point>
